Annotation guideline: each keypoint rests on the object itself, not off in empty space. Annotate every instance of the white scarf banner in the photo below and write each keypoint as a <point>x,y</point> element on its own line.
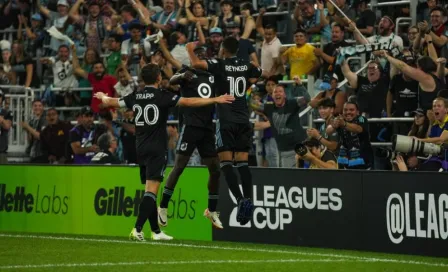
<point>355,50</point>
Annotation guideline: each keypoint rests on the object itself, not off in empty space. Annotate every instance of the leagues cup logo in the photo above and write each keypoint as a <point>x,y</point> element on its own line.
<point>418,215</point>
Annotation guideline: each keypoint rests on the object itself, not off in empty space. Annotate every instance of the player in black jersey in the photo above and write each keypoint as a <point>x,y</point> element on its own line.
<point>233,129</point>
<point>151,107</point>
<point>197,131</point>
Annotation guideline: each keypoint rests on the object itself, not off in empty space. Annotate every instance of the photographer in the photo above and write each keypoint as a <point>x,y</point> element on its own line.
<point>355,149</point>
<point>319,157</point>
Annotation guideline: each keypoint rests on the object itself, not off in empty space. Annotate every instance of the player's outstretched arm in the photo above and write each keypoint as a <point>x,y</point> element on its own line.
<point>109,102</point>
<point>201,102</point>
<point>195,61</point>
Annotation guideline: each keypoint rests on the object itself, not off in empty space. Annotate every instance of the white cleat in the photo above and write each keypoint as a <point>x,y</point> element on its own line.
<point>214,218</point>
<point>161,236</point>
<point>163,217</point>
<point>136,236</point>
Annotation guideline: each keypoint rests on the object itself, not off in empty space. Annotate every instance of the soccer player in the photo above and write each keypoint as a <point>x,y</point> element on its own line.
<point>197,132</point>
<point>233,129</point>
<point>151,112</point>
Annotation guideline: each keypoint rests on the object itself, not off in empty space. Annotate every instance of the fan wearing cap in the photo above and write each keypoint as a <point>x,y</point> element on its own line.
<point>216,37</point>
<point>402,97</point>
<point>57,19</point>
<point>95,26</point>
<point>83,137</point>
<point>99,80</point>
<point>317,155</point>
<point>34,35</point>
<point>5,126</point>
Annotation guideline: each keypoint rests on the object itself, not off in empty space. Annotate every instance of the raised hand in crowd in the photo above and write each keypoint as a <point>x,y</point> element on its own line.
<point>313,133</point>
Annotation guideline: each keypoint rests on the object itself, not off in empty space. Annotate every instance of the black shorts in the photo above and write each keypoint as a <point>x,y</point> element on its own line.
<point>234,137</point>
<point>196,137</point>
<point>152,167</point>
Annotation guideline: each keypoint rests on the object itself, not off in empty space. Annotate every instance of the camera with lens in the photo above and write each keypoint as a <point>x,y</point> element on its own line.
<point>406,144</point>
<point>301,149</point>
<point>386,153</point>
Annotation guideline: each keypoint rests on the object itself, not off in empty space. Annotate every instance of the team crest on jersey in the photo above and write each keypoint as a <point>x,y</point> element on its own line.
<point>211,79</point>
<point>213,61</point>
<point>183,146</point>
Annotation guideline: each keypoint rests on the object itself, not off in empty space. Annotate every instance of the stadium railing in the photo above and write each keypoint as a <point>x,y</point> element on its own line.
<point>412,7</point>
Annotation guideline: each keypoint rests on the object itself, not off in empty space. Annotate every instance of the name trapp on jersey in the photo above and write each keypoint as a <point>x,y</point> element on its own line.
<point>142,96</point>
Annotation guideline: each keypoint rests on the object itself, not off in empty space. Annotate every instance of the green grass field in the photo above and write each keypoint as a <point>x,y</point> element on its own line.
<point>25,252</point>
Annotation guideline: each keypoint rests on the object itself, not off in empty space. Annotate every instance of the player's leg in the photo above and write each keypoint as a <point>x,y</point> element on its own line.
<point>243,145</point>
<point>137,233</point>
<point>184,149</point>
<point>207,150</point>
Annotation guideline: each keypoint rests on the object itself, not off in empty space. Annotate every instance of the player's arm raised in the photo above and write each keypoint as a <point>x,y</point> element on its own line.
<point>195,61</point>
<point>109,102</point>
<point>201,102</point>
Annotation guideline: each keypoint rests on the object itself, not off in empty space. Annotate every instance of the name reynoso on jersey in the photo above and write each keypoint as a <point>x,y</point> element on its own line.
<point>242,68</point>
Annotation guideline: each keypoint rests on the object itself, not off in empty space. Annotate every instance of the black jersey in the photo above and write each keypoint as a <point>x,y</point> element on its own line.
<point>151,108</point>
<point>202,85</point>
<point>232,77</point>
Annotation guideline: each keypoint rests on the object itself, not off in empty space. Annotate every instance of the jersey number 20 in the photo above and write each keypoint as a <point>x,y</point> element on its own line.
<point>145,112</point>
<point>235,88</point>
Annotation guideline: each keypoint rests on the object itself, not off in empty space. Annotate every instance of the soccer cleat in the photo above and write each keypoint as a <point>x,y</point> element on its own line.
<point>240,211</point>
<point>163,217</point>
<point>160,236</point>
<point>136,236</point>
<point>248,209</point>
<point>214,218</point>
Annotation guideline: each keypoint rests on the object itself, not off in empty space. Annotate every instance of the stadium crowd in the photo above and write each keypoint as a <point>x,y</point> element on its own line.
<point>113,40</point>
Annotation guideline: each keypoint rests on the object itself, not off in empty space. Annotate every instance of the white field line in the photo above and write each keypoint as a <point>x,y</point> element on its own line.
<point>172,263</point>
<point>247,249</point>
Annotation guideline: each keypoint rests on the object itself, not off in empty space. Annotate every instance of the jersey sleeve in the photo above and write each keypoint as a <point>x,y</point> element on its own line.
<point>213,66</point>
<point>127,102</point>
<point>169,99</point>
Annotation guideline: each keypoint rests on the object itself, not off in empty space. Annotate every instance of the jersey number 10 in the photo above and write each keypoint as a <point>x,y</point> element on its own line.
<point>145,112</point>
<point>235,88</point>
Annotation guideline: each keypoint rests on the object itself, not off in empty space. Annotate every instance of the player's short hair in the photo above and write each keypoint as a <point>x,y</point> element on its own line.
<point>150,73</point>
<point>231,45</point>
<point>326,103</point>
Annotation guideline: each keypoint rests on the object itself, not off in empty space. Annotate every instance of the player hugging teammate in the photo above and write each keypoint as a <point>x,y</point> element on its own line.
<point>230,77</point>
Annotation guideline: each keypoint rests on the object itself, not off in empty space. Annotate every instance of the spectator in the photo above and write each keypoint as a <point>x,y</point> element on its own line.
<point>249,32</point>
<point>126,84</point>
<point>338,18</point>
<point>315,22</point>
<point>95,27</point>
<point>179,40</point>
<point>318,156</point>
<point>55,138</point>
<point>114,59</point>
<point>227,15</point>
<point>34,128</point>
<point>438,32</point>
<point>58,20</point>
<point>63,76</point>
<point>424,10</point>
<point>108,120</point>
<point>84,136</point>
<point>301,58</point>
<point>91,57</point>
<point>403,92</point>
<point>328,54</point>
<point>196,17</point>
<point>326,111</point>
<point>268,141</point>
<point>216,38</point>
<point>270,49</point>
<point>162,20</point>
<point>107,144</point>
<point>425,73</point>
<point>128,14</point>
<point>370,91</point>
<point>355,150</point>
<point>335,94</point>
<point>246,50</point>
<point>5,126</point>
<point>283,116</point>
<point>35,34</point>
<point>412,35</point>
<point>133,49</point>
<point>100,81</point>
<point>365,18</point>
<point>5,64</point>
<point>23,66</point>
<point>127,137</point>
